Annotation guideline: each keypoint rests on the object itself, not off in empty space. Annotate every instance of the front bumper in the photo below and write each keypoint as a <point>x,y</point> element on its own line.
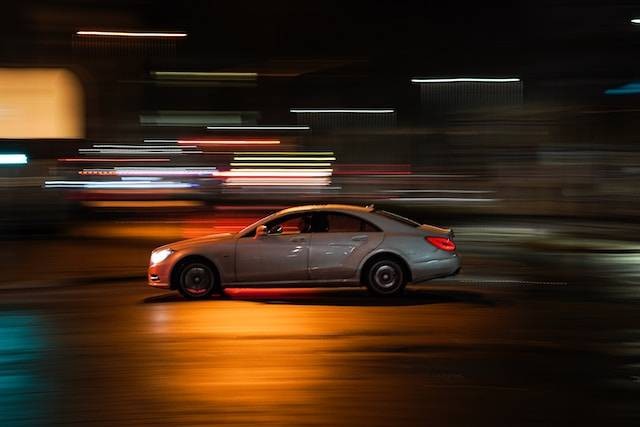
<point>159,276</point>
<point>435,268</point>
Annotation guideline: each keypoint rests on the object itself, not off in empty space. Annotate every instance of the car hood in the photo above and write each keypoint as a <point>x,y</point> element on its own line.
<point>211,238</point>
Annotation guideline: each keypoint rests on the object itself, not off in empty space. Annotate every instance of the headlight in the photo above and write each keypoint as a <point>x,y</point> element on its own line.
<point>160,256</point>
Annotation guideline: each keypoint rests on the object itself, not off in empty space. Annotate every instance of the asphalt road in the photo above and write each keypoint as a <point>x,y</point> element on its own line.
<point>450,353</point>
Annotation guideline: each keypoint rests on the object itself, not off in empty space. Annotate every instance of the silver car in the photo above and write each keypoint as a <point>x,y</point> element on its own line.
<point>324,245</point>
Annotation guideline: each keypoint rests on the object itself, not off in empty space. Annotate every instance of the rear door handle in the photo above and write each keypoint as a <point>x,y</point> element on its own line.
<point>360,238</point>
<point>298,240</point>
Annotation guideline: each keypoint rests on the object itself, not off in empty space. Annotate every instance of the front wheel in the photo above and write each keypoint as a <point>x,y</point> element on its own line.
<point>197,280</point>
<point>386,278</point>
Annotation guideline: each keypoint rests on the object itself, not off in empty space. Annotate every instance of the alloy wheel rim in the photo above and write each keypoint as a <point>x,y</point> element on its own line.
<point>197,280</point>
<point>385,276</point>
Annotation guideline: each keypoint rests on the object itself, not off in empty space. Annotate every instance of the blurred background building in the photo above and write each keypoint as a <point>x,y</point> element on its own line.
<point>138,110</point>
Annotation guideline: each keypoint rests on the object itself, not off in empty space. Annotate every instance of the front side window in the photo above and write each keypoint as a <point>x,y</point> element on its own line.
<point>289,224</point>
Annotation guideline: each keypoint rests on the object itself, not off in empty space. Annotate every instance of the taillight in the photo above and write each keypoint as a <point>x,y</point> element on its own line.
<point>442,243</point>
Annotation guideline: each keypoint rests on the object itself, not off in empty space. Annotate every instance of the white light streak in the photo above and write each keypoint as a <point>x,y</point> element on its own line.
<point>174,150</point>
<point>137,184</point>
<point>239,158</point>
<point>140,178</point>
<point>229,142</point>
<point>13,159</point>
<point>635,21</point>
<point>283,173</point>
<point>109,160</point>
<point>150,171</point>
<point>262,182</point>
<point>467,79</point>
<point>143,146</point>
<point>130,34</point>
<point>280,164</point>
<point>286,153</point>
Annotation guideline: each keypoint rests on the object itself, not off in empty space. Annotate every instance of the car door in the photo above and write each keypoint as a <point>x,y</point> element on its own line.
<point>281,255</point>
<point>339,242</point>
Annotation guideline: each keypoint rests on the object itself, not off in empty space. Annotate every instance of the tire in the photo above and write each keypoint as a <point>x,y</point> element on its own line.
<point>386,278</point>
<point>197,280</point>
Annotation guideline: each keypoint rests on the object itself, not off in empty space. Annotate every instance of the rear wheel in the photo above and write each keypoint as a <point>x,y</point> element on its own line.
<point>197,280</point>
<point>386,278</point>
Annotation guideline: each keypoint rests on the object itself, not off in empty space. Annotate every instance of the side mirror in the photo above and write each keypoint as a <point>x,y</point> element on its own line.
<point>261,231</point>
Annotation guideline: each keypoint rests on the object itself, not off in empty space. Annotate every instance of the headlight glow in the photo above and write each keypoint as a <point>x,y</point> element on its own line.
<point>159,256</point>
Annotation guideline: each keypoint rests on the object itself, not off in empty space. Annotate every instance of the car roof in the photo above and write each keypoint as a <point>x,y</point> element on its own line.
<point>328,207</point>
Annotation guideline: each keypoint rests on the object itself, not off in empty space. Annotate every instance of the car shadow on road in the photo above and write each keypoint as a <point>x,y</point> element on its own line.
<point>338,297</point>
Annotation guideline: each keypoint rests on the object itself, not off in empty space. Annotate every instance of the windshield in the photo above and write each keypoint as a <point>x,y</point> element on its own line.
<point>398,218</point>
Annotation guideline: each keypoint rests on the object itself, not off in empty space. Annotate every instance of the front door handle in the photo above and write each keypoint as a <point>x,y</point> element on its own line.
<point>298,240</point>
<point>360,238</point>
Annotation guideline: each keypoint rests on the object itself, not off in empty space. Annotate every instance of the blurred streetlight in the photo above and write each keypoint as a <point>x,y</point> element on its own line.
<point>635,21</point>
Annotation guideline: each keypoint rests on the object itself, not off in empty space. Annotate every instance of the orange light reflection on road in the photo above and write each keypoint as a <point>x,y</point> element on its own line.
<point>258,372</point>
<point>277,361</point>
<point>247,293</point>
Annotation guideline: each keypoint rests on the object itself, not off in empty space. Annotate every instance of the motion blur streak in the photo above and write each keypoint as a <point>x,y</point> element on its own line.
<point>288,153</point>
<point>109,160</point>
<point>441,199</point>
<point>145,146</point>
<point>150,171</point>
<point>129,34</point>
<point>466,79</point>
<point>277,172</point>
<point>116,184</point>
<point>277,182</point>
<point>142,203</point>
<point>228,142</point>
<point>138,151</point>
<point>628,89</point>
<point>13,159</point>
<point>203,75</point>
<point>238,158</point>
<point>278,164</point>
<point>258,127</point>
<point>345,110</point>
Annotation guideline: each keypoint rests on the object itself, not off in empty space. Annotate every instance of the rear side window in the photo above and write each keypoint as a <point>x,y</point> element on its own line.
<point>399,218</point>
<point>323,222</point>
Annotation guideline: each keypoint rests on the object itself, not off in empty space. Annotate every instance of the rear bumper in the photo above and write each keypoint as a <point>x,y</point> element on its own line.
<point>436,268</point>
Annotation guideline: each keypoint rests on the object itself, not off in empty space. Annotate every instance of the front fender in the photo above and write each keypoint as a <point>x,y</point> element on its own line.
<point>220,254</point>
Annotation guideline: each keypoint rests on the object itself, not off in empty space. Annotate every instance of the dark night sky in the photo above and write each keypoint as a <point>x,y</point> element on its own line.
<point>591,38</point>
